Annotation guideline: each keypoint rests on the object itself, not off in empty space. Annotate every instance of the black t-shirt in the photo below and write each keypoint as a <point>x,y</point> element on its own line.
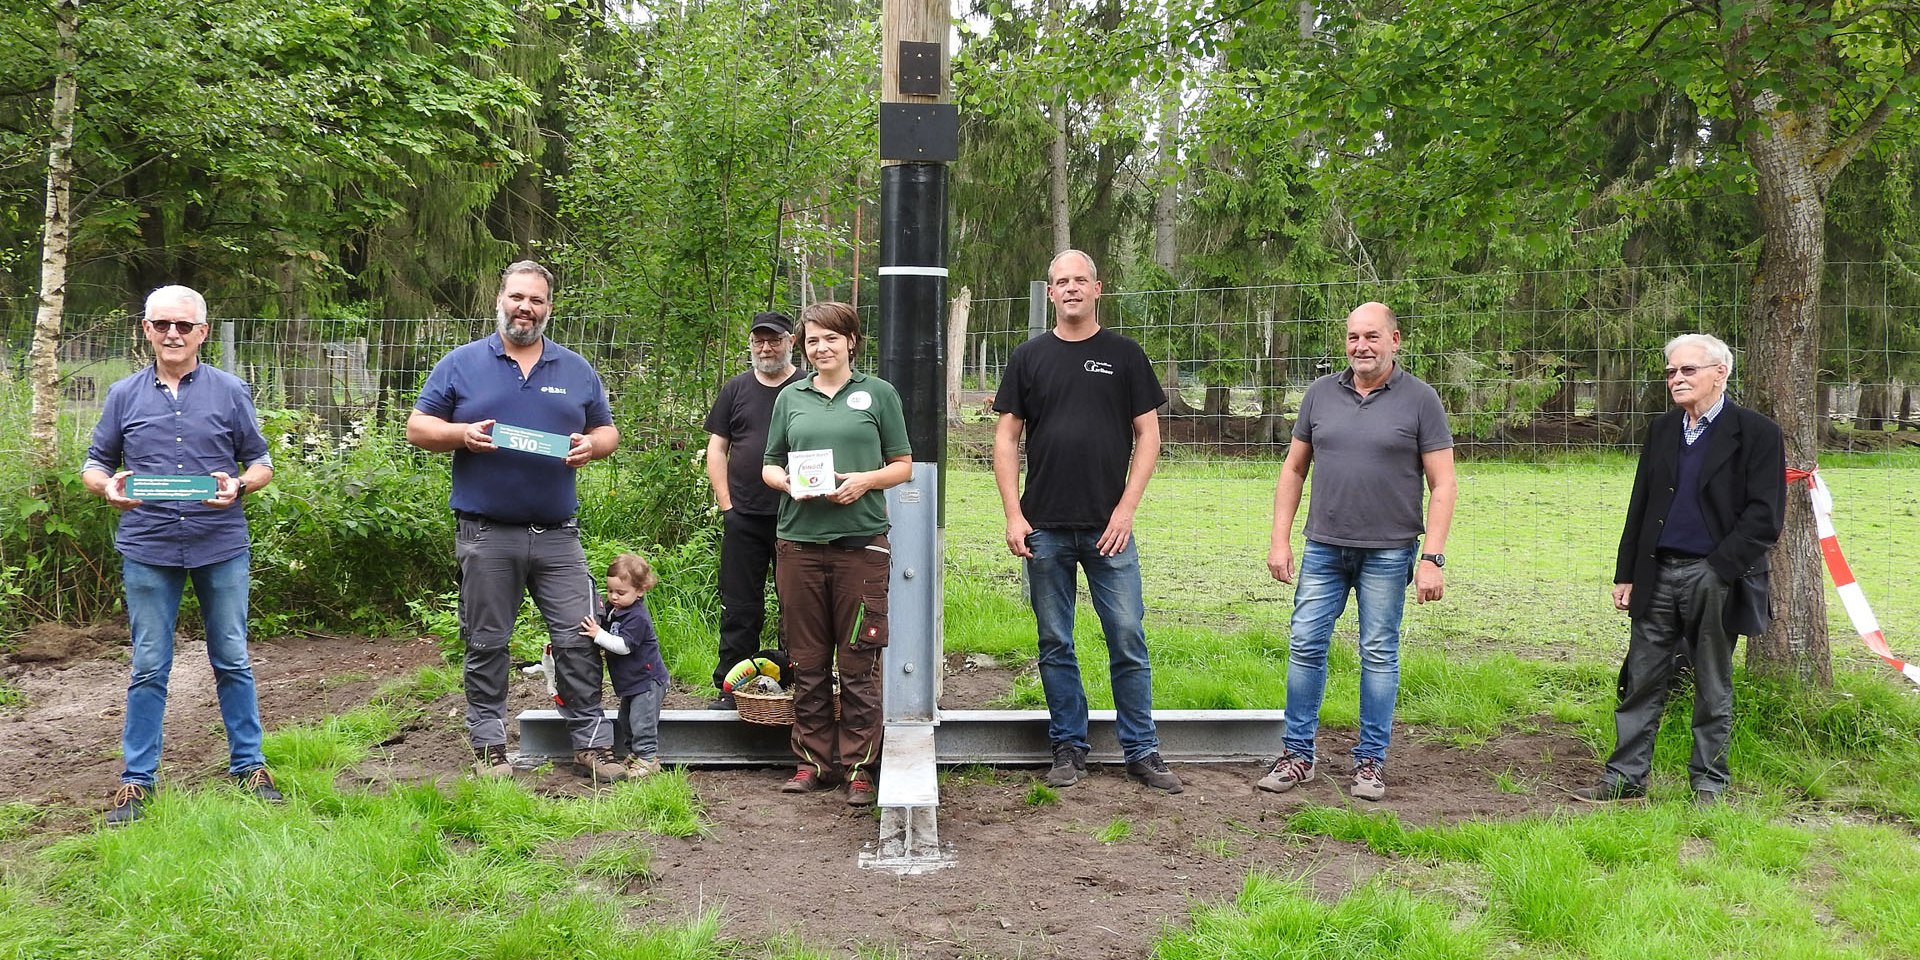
<point>741,414</point>
<point>1078,399</point>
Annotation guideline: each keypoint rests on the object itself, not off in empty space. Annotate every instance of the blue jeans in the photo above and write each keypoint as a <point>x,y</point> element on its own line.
<point>1114,583</point>
<point>1378,579</point>
<point>153,604</point>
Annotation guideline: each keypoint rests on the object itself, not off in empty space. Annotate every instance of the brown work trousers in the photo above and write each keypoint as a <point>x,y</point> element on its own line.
<point>833,607</point>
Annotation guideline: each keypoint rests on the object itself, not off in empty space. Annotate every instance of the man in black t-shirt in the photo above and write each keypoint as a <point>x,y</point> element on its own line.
<point>1087,401</point>
<point>737,428</point>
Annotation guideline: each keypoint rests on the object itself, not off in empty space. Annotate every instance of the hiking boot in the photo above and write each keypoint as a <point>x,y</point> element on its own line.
<point>723,702</point>
<point>1069,765</point>
<point>259,783</point>
<point>599,765</point>
<point>804,780</point>
<point>638,767</point>
<point>1152,771</point>
<point>1367,784</point>
<point>1290,771</point>
<point>129,802</point>
<point>491,761</point>
<point>860,790</point>
<point>1610,791</point>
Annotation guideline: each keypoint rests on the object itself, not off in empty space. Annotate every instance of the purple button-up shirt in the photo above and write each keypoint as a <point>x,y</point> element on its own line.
<point>208,425</point>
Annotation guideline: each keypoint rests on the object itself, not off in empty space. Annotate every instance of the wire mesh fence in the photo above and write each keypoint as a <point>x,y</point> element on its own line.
<point>1536,370</point>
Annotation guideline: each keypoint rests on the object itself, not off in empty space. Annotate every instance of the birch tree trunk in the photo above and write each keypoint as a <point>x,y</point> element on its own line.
<point>45,360</point>
<point>1058,195</point>
<point>1167,162</point>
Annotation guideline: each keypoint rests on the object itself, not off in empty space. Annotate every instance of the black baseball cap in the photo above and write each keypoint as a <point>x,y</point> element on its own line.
<point>778,323</point>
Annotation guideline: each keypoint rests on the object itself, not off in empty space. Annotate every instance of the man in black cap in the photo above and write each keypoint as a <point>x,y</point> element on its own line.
<point>748,507</point>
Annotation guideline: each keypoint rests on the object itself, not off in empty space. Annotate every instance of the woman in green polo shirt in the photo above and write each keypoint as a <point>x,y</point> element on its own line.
<point>837,439</point>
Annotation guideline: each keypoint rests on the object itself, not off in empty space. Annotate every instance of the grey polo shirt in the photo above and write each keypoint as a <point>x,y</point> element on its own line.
<point>1366,475</point>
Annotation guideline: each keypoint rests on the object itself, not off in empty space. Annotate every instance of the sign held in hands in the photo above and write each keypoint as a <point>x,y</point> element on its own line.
<point>509,437</point>
<point>159,487</point>
<point>810,473</point>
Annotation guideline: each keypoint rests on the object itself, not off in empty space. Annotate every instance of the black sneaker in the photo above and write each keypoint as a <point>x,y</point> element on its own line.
<point>1152,771</point>
<point>259,783</point>
<point>1611,791</point>
<point>1069,765</point>
<point>723,702</point>
<point>129,802</point>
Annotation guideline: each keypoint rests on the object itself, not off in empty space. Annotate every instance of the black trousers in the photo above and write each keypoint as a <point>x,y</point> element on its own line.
<point>746,554</point>
<point>1685,619</point>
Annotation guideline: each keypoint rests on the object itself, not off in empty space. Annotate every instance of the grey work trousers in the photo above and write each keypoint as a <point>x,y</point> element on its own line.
<point>1684,619</point>
<point>500,563</point>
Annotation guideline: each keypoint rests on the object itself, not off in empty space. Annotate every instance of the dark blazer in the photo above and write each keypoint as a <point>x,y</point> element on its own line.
<point>1743,496</point>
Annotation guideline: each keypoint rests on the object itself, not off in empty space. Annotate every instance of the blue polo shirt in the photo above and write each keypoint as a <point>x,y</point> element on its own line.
<point>208,425</point>
<point>562,394</point>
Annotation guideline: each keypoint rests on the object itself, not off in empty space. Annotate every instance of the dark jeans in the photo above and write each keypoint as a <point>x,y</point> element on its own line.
<point>1685,618</point>
<point>746,551</point>
<point>834,602</point>
<point>499,565</point>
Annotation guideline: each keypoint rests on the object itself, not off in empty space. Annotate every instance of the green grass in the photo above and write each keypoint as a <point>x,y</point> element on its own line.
<point>1116,830</point>
<point>1530,556</point>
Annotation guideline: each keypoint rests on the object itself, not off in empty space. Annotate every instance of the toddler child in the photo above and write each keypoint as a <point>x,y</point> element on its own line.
<point>633,662</point>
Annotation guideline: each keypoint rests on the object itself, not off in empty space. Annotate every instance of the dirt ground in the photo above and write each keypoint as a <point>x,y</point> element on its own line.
<point>1026,880</point>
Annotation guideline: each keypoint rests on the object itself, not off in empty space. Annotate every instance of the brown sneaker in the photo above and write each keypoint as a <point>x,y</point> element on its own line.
<point>599,765</point>
<point>804,780</point>
<point>491,761</point>
<point>861,791</point>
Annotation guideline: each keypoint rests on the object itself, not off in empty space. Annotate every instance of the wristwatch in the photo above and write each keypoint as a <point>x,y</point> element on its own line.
<point>1439,559</point>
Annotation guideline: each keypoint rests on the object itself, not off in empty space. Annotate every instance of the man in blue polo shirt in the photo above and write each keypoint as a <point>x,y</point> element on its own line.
<point>515,511</point>
<point>182,418</point>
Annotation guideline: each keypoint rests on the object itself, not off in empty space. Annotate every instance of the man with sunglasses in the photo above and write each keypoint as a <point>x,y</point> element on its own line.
<point>181,418</point>
<point>521,415</point>
<point>748,507</point>
<point>1709,499</point>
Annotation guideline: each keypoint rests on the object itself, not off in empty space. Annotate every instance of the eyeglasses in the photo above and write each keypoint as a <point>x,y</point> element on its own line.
<point>181,327</point>
<point>760,343</point>
<point>1688,370</point>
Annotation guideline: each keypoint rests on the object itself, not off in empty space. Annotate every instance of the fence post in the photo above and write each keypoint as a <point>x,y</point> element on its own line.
<point>229,351</point>
<point>1036,308</point>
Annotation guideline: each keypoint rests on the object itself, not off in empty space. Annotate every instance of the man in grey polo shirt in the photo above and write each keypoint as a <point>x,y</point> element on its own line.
<point>1370,434</point>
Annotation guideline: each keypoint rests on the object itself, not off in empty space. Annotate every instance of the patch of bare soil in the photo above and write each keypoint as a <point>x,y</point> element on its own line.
<point>1027,880</point>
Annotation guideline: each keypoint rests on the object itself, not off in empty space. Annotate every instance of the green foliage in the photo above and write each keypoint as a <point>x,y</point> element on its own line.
<point>1116,830</point>
<point>1041,795</point>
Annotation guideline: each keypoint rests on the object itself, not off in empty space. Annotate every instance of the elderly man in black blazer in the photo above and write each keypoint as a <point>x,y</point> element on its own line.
<point>1709,499</point>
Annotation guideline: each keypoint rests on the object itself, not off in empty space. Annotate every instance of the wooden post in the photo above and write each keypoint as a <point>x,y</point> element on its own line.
<point>957,351</point>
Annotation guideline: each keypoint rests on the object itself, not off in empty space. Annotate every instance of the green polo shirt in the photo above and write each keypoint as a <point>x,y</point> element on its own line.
<point>863,426</point>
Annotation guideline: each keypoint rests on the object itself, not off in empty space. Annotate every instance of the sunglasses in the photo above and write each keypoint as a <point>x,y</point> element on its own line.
<point>1689,370</point>
<point>181,327</point>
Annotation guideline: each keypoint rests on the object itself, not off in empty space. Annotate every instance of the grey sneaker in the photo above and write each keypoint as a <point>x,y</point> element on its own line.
<point>1152,771</point>
<point>129,802</point>
<point>599,765</point>
<point>1069,765</point>
<point>1367,784</point>
<point>491,761</point>
<point>1290,771</point>
<point>259,783</point>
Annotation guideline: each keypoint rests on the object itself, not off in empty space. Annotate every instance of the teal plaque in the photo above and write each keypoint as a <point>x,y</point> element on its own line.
<point>509,437</point>
<point>156,487</point>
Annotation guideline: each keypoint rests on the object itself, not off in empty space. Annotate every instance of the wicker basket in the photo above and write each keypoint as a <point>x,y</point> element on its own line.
<point>772,710</point>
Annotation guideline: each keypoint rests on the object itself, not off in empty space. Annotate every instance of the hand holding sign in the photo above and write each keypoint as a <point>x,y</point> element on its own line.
<point>478,437</point>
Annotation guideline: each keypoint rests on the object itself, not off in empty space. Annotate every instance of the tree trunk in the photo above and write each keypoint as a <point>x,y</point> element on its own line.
<point>957,351</point>
<point>1057,193</point>
<point>1165,209</point>
<point>1783,337</point>
<point>1875,410</point>
<point>58,230</point>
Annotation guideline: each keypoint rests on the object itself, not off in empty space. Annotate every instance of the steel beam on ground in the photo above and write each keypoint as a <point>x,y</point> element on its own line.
<point>718,738</point>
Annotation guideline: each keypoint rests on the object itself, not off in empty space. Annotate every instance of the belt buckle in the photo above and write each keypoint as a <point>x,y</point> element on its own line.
<point>536,528</point>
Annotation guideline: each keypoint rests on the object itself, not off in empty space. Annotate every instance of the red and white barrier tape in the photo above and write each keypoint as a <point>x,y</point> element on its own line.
<point>1851,596</point>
